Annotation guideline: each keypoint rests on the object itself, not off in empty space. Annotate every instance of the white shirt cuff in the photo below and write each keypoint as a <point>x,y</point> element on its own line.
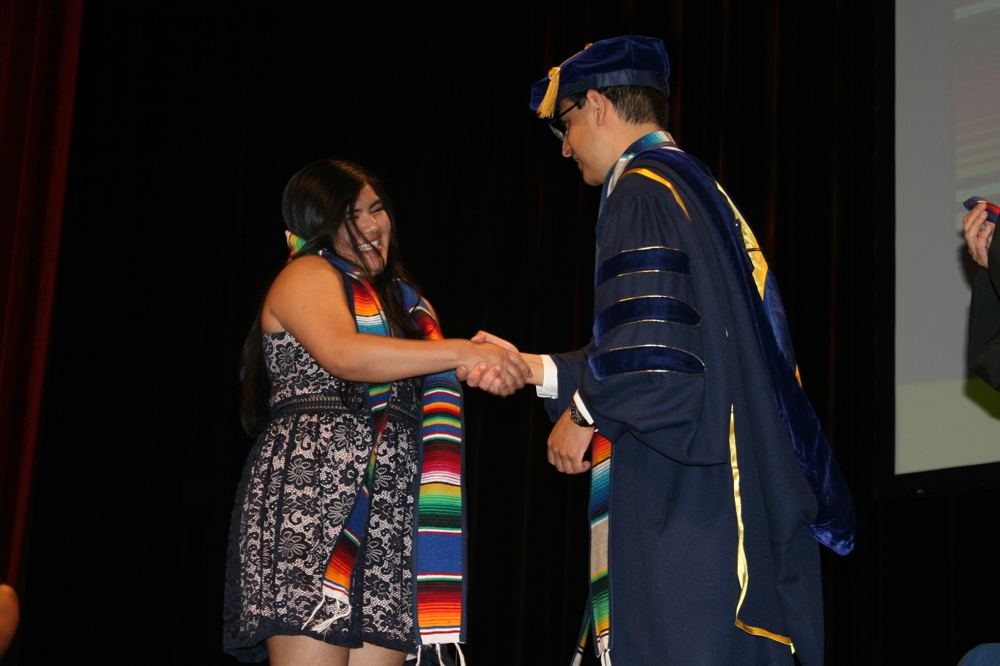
<point>550,387</point>
<point>582,408</point>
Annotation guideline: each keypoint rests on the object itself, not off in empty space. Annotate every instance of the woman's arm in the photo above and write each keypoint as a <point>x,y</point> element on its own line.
<point>307,299</point>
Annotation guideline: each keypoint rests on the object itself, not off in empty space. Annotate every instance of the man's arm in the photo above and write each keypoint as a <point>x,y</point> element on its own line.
<point>645,372</point>
<point>569,442</point>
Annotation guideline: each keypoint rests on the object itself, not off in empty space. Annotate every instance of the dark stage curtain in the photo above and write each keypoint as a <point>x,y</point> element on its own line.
<point>39,48</point>
<point>189,121</point>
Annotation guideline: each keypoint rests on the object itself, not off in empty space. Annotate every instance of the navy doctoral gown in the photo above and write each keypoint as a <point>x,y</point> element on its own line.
<point>676,379</point>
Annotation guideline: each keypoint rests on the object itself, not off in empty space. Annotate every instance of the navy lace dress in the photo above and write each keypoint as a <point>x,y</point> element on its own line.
<point>298,488</point>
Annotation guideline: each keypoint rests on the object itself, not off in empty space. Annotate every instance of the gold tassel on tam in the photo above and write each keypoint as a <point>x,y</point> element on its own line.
<point>547,108</point>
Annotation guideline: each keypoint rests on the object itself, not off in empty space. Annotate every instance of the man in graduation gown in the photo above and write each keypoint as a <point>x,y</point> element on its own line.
<point>711,478</point>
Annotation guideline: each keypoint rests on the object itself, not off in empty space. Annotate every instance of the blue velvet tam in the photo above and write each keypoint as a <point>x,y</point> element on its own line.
<point>620,61</point>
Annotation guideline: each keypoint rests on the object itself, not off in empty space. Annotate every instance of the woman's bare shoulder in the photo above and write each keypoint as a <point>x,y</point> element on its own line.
<point>308,273</point>
<point>305,280</point>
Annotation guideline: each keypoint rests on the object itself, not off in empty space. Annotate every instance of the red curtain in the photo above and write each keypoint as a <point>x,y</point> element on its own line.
<point>39,51</point>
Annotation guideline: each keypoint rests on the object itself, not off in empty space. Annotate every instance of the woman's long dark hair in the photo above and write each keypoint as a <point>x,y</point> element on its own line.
<point>317,202</point>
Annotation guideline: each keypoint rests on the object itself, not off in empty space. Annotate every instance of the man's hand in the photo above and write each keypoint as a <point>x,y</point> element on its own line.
<point>978,234</point>
<point>490,379</point>
<point>568,444</point>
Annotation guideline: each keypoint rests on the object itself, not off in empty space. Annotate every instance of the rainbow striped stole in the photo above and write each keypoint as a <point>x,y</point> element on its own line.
<point>598,613</point>
<point>439,556</point>
<point>600,490</point>
<point>340,567</point>
<point>439,547</point>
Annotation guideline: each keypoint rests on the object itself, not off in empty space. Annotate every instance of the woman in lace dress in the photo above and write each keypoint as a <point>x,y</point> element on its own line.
<point>310,364</point>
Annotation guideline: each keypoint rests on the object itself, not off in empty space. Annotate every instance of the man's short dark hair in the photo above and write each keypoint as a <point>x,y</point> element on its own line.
<point>634,104</point>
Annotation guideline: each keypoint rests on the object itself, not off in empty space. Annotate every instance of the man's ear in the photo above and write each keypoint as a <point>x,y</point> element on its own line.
<point>600,104</point>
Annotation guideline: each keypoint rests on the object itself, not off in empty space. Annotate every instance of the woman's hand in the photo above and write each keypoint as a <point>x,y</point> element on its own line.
<point>495,368</point>
<point>498,378</point>
<point>978,234</point>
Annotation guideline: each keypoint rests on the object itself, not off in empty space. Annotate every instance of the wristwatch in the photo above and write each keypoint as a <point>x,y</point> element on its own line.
<point>577,417</point>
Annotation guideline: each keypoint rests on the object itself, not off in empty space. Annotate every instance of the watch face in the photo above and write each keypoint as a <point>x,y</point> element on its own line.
<point>576,416</point>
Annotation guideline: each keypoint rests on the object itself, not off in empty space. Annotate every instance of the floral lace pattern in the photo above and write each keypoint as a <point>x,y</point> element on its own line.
<point>298,488</point>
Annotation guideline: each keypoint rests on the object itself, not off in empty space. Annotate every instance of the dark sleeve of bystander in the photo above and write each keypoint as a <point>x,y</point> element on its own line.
<point>984,321</point>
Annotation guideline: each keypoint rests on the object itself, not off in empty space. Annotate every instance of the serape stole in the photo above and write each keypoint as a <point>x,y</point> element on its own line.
<point>598,613</point>
<point>368,316</point>
<point>439,557</point>
<point>439,544</point>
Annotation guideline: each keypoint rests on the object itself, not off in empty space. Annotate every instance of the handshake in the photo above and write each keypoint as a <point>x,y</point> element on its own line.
<point>501,369</point>
<point>497,367</point>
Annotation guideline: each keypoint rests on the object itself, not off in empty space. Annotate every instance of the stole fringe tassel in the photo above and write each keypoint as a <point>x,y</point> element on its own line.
<point>340,610</point>
<point>458,648</point>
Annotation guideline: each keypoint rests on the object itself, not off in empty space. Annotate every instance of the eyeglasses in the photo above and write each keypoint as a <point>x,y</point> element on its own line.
<point>557,125</point>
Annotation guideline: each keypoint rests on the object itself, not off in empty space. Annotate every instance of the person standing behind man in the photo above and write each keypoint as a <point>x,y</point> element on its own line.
<point>711,476</point>
<point>984,311</point>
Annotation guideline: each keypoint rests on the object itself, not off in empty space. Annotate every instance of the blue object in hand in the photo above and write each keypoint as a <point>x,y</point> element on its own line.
<point>992,210</point>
